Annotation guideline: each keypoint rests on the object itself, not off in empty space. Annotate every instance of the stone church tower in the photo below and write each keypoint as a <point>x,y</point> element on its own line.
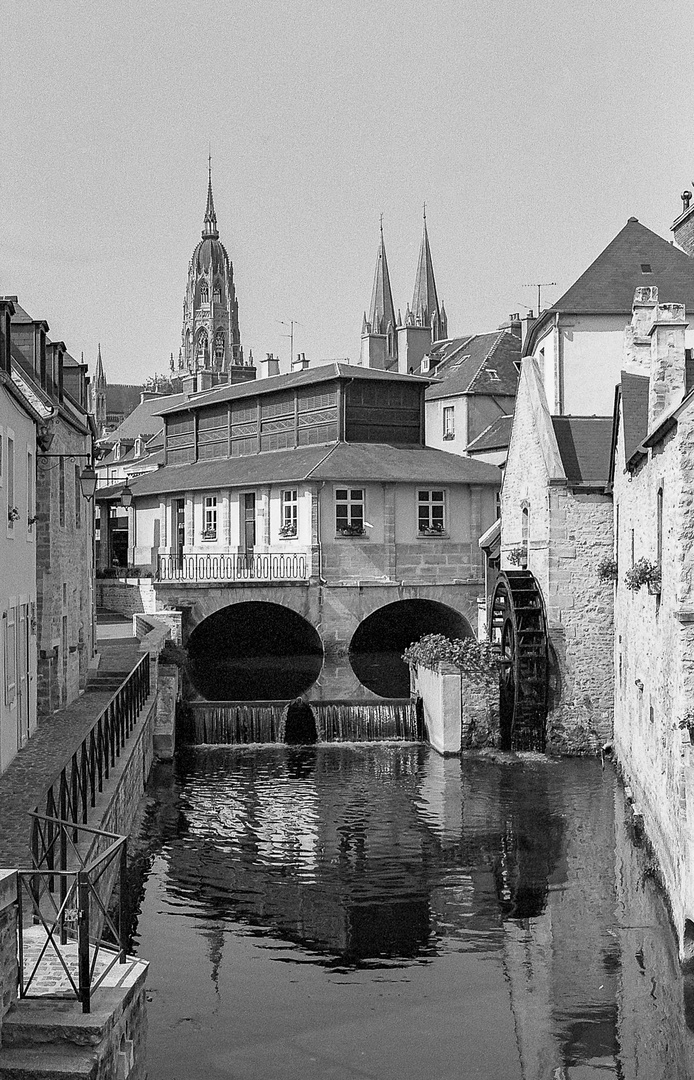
<point>400,344</point>
<point>97,403</point>
<point>211,340</point>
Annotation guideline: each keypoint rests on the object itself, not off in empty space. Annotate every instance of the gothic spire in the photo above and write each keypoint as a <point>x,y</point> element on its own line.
<point>210,226</point>
<point>381,312</point>
<point>425,303</point>
<point>99,377</point>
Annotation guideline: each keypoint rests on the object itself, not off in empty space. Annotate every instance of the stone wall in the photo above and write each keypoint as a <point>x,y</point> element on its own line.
<point>460,712</point>
<point>8,941</point>
<point>654,670</point>
<point>127,596</point>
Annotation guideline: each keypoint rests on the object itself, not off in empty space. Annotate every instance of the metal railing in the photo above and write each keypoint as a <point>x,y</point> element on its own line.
<point>74,789</point>
<point>270,566</point>
<point>70,903</point>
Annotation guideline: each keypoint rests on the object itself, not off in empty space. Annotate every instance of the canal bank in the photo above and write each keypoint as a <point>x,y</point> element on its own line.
<point>49,1035</point>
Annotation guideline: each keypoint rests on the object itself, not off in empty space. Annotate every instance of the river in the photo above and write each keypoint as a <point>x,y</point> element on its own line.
<point>378,912</point>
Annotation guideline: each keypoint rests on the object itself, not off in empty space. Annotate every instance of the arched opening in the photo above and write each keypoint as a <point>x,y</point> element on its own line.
<point>300,726</point>
<point>376,649</point>
<point>254,652</point>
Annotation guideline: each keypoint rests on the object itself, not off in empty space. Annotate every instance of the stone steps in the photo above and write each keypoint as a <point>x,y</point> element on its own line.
<point>48,1063</point>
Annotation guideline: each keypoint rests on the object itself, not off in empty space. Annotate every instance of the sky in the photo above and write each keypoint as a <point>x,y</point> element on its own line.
<point>531,130</point>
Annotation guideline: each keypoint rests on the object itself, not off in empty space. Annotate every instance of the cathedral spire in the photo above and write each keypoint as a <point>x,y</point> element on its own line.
<point>381,313</point>
<point>425,303</point>
<point>210,225</point>
<point>99,377</point>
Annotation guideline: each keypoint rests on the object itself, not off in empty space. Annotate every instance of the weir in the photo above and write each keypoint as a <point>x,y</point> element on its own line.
<point>239,722</point>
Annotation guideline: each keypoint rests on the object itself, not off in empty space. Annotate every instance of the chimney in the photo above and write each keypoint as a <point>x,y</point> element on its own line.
<point>668,361</point>
<point>683,226</point>
<point>205,381</point>
<point>525,324</point>
<point>515,324</point>
<point>188,385</point>
<point>269,366</point>
<point>301,363</point>
<point>637,340</point>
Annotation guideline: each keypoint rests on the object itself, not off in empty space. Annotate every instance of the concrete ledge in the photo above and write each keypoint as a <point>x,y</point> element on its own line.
<point>8,888</point>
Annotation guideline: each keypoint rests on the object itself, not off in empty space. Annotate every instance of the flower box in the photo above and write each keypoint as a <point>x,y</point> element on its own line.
<point>209,534</point>
<point>351,530</point>
<point>432,530</point>
<point>287,532</point>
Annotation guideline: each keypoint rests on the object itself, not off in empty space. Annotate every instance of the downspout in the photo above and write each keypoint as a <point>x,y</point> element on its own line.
<point>319,543</point>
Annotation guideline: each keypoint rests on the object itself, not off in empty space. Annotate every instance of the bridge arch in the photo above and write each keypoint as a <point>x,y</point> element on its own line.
<point>379,641</point>
<point>253,651</point>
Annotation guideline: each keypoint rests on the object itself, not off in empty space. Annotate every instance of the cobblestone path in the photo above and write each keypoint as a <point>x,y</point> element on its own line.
<point>36,764</point>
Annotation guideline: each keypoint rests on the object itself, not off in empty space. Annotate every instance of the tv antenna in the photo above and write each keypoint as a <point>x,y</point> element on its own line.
<point>539,285</point>
<point>291,323</point>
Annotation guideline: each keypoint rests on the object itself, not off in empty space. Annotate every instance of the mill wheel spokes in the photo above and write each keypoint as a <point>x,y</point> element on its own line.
<point>517,625</point>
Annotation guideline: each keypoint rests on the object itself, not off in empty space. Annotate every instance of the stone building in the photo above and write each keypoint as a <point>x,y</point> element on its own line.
<point>392,343</point>
<point>18,423</point>
<point>550,613</point>
<point>653,490</point>
<point>56,386</point>
<point>577,342</point>
<point>313,494</point>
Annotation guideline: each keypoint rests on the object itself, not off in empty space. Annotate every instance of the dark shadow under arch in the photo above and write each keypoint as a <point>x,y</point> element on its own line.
<point>254,651</point>
<point>379,641</point>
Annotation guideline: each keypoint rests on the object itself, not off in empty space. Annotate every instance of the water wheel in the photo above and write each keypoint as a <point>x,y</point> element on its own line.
<point>518,626</point>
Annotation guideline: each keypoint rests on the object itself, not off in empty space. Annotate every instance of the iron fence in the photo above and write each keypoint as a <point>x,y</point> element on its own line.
<point>75,788</point>
<point>268,566</point>
<point>69,902</point>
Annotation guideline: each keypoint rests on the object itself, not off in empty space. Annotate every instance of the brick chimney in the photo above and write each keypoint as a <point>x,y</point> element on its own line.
<point>525,324</point>
<point>637,340</point>
<point>301,363</point>
<point>668,362</point>
<point>683,226</point>
<point>269,366</point>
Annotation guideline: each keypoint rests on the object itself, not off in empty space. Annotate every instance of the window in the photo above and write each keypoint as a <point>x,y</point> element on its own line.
<point>525,529</point>
<point>449,422</point>
<point>204,293</point>
<point>430,512</point>
<point>290,512</point>
<point>61,491</point>
<point>646,268</point>
<point>659,518</point>
<point>10,483</point>
<point>217,296</point>
<point>349,511</point>
<point>78,499</point>
<point>219,345</point>
<point>209,518</point>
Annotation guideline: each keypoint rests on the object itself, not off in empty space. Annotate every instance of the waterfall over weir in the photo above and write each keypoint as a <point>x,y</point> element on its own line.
<point>224,722</point>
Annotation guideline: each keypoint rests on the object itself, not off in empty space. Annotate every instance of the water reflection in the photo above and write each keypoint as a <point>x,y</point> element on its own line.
<point>515,883</point>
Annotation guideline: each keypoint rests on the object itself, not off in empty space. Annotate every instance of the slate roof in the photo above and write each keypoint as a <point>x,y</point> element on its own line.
<point>122,398</point>
<point>349,462</point>
<point>336,369</point>
<point>585,444</point>
<point>477,364</point>
<point>634,390</point>
<point>496,437</point>
<point>144,419</point>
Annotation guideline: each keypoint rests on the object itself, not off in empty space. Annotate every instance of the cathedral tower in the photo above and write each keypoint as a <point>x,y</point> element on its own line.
<point>211,340</point>
<point>98,395</point>
<point>378,341</point>
<point>425,322</point>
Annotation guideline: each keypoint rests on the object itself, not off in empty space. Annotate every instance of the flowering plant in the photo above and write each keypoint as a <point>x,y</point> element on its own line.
<point>435,529</point>
<point>643,572</point>
<point>288,529</point>
<point>12,513</point>
<point>518,555</point>
<point>474,657</point>
<point>607,569</point>
<point>351,530</point>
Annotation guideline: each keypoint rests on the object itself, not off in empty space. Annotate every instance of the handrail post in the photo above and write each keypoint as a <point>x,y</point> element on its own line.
<point>121,901</point>
<point>83,939</point>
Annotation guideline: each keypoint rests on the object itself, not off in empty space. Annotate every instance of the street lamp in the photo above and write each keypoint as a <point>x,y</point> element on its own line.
<point>88,480</point>
<point>126,497</point>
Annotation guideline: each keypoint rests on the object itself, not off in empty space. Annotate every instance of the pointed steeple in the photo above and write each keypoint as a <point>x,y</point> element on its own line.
<point>99,377</point>
<point>425,303</point>
<point>381,313</point>
<point>210,230</point>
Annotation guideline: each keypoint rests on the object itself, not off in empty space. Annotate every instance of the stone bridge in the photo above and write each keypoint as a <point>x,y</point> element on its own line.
<point>357,619</point>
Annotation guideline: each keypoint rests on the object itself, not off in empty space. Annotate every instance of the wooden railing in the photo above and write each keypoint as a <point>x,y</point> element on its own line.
<point>268,566</point>
<point>73,791</point>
